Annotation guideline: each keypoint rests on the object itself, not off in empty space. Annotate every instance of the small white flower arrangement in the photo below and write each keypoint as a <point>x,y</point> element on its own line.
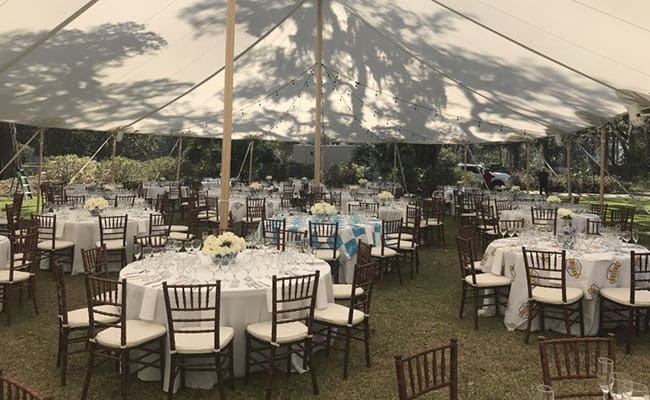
<point>363,181</point>
<point>96,203</point>
<point>385,196</point>
<point>323,208</point>
<point>553,199</point>
<point>515,188</point>
<point>255,186</point>
<point>226,243</point>
<point>565,213</point>
<point>354,187</point>
<point>269,178</point>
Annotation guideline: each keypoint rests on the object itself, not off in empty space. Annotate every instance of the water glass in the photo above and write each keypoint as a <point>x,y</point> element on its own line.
<point>137,251</point>
<point>544,392</point>
<point>636,391</point>
<point>605,369</point>
<point>617,385</point>
<point>635,234</point>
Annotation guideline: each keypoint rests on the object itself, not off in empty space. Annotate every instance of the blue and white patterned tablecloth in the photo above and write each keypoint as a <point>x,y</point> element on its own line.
<point>351,229</point>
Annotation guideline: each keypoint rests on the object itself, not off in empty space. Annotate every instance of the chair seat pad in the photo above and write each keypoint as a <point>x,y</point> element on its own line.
<point>60,244</point>
<point>344,291</point>
<point>388,252</point>
<point>434,223</point>
<point>325,254</point>
<point>468,214</point>
<point>201,343</point>
<point>137,333</point>
<point>403,236</point>
<point>113,244</point>
<point>488,280</point>
<point>337,314</point>
<point>180,236</point>
<point>286,333</point>
<point>404,245</point>
<point>19,276</point>
<point>622,296</point>
<point>213,219</point>
<point>179,228</point>
<point>554,295</point>
<point>79,318</point>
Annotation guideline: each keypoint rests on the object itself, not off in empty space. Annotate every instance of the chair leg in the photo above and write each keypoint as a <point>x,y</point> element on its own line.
<point>476,306</point>
<point>231,360</point>
<point>630,331</point>
<point>59,351</point>
<point>32,293</point>
<point>530,320</point>
<point>346,355</point>
<point>462,301</point>
<point>124,366</point>
<point>63,350</point>
<point>582,319</point>
<point>89,371</point>
<point>248,359</point>
<point>269,383</point>
<point>328,341</point>
<point>366,340</point>
<point>222,391</point>
<point>289,349</point>
<point>308,354</point>
<point>399,270</point>
<point>172,377</point>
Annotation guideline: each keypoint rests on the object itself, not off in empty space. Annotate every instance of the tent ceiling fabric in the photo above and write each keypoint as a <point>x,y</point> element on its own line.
<point>407,71</point>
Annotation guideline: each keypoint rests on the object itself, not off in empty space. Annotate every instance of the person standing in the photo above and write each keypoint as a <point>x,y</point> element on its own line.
<point>542,179</point>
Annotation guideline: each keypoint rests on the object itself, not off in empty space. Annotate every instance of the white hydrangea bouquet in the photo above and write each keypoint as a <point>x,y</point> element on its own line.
<point>565,213</point>
<point>323,208</point>
<point>363,181</point>
<point>226,244</point>
<point>553,199</point>
<point>515,188</point>
<point>385,196</point>
<point>269,178</point>
<point>255,186</point>
<point>96,205</point>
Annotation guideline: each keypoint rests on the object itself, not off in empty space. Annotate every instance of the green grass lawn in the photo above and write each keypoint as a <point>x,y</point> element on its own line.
<point>493,362</point>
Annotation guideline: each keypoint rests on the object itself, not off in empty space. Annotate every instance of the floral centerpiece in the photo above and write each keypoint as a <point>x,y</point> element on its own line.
<point>255,186</point>
<point>515,188</point>
<point>553,199</point>
<point>385,196</point>
<point>363,181</point>
<point>269,178</point>
<point>95,205</point>
<point>567,233</point>
<point>224,247</point>
<point>323,209</point>
<point>354,187</point>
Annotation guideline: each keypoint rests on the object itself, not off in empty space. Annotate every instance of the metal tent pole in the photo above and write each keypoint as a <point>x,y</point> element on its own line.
<point>319,92</point>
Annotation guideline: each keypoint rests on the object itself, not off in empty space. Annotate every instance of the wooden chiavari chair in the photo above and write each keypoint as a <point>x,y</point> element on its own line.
<point>11,389</point>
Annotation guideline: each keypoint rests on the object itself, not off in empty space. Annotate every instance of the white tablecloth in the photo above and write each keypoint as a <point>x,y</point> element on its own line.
<point>241,305</point>
<point>5,251</point>
<point>579,222</point>
<point>80,227</point>
<point>590,271</point>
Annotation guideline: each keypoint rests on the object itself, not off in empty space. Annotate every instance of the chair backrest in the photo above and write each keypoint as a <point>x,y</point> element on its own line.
<point>273,231</point>
<point>159,224</point>
<point>568,361</point>
<point>466,258</point>
<point>12,218</point>
<point>513,225</point>
<point>428,370</point>
<point>61,292</point>
<point>193,310</point>
<point>95,262</point>
<point>286,202</point>
<point>469,231</point>
<point>545,269</point>
<point>324,235</point>
<point>25,242</point>
<point>335,199</point>
<point>293,300</point>
<point>113,228</point>
<point>255,209</point>
<point>364,252</point>
<point>622,217</point>
<point>486,213</point>
<point>362,282</point>
<point>46,228</point>
<point>12,390</point>
<point>76,200</point>
<point>542,216</point>
<point>502,205</point>
<point>157,240</point>
<point>413,217</point>
<point>17,201</point>
<point>593,226</point>
<point>124,200</point>
<point>106,297</point>
<point>600,210</point>
<point>212,203</point>
<point>391,234</point>
<point>639,274</point>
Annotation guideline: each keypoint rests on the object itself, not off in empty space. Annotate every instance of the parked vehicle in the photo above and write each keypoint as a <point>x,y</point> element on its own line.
<point>493,179</point>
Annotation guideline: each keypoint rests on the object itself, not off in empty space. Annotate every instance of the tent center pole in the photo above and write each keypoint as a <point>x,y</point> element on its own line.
<point>226,142</point>
<point>603,160</point>
<point>465,168</point>
<point>250,162</point>
<point>179,159</point>
<point>41,145</point>
<point>319,92</point>
<point>568,167</point>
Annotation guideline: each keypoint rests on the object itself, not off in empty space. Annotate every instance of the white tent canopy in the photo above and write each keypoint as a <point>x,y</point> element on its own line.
<point>410,71</point>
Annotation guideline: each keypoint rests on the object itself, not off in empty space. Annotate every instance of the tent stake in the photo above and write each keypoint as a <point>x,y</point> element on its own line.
<point>226,142</point>
<point>319,92</point>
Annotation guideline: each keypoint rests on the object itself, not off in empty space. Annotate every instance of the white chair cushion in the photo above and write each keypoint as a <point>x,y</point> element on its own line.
<point>253,219</point>
<point>405,245</point>
<point>325,254</point>
<point>113,244</point>
<point>178,228</point>
<point>343,291</point>
<point>622,296</point>
<point>60,244</point>
<point>180,236</point>
<point>388,252</point>
<point>403,236</point>
<point>337,314</point>
<point>554,295</point>
<point>468,214</point>
<point>201,343</point>
<point>289,332</point>
<point>434,223</point>
<point>137,333</point>
<point>213,219</point>
<point>19,276</point>
<point>79,318</point>
<point>488,280</point>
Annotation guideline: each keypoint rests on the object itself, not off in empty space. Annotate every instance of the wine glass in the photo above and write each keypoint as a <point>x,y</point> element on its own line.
<point>137,251</point>
<point>635,235</point>
<point>504,229</point>
<point>544,392</point>
<point>617,384</point>
<point>626,235</point>
<point>635,390</point>
<point>195,245</point>
<point>178,246</point>
<point>605,370</point>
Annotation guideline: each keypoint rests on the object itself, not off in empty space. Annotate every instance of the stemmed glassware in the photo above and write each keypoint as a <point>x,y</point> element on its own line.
<point>626,236</point>
<point>635,235</point>
<point>636,391</point>
<point>617,385</point>
<point>544,392</point>
<point>605,370</point>
<point>137,251</point>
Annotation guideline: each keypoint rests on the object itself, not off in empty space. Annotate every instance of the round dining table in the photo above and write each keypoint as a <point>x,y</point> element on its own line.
<point>246,295</point>
<point>5,251</point>
<point>579,221</point>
